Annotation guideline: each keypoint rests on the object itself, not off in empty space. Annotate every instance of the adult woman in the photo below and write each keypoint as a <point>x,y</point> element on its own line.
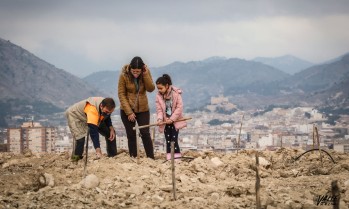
<point>134,81</point>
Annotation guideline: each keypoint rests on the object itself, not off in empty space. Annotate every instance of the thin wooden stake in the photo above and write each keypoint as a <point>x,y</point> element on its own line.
<point>153,133</point>
<point>318,144</point>
<point>173,171</point>
<point>335,194</point>
<point>138,141</point>
<point>74,145</point>
<point>313,136</point>
<point>281,140</point>
<point>242,117</point>
<point>85,164</point>
<point>258,182</point>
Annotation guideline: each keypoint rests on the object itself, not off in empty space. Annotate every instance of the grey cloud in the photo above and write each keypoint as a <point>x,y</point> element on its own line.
<point>85,36</point>
<point>177,11</point>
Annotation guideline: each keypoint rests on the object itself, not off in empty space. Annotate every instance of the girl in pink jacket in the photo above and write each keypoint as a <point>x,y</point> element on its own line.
<point>169,108</point>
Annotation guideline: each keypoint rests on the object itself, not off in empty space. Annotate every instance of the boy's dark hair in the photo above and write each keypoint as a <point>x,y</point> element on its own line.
<point>137,63</point>
<point>109,103</point>
<point>164,79</point>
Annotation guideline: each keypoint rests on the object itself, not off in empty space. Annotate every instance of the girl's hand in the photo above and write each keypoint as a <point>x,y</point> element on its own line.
<point>160,122</point>
<point>168,121</point>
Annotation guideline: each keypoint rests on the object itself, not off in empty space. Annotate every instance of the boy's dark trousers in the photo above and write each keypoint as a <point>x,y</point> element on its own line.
<point>104,131</point>
<point>142,118</point>
<point>171,134</point>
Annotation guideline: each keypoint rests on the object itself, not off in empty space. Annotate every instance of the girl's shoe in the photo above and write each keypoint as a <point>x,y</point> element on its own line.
<point>177,156</point>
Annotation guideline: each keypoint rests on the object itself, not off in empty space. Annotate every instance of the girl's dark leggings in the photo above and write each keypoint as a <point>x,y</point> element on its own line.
<point>171,134</point>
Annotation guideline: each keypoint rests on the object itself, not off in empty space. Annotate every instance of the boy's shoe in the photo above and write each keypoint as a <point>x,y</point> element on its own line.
<point>76,158</point>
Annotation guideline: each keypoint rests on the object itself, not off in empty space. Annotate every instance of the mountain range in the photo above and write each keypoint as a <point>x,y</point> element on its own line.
<point>26,79</point>
<point>320,77</point>
<point>248,84</point>
<point>201,80</point>
<point>287,63</point>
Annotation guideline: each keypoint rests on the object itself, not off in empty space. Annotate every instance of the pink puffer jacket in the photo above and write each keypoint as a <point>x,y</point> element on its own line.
<point>177,109</point>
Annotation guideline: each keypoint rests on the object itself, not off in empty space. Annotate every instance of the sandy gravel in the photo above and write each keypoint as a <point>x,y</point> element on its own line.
<point>208,180</point>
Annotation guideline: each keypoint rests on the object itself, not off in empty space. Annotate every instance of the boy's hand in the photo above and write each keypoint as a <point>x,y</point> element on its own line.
<point>98,153</point>
<point>112,134</point>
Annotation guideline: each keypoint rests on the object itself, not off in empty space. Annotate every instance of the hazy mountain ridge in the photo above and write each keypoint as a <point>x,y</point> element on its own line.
<point>287,63</point>
<point>200,79</point>
<point>336,97</point>
<point>30,86</point>
<point>105,81</point>
<point>320,77</point>
<point>323,86</point>
<point>25,76</point>
<point>248,83</point>
<point>334,59</point>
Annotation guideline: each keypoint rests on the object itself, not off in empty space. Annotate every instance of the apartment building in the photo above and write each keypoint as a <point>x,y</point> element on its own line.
<point>15,140</point>
<point>344,148</point>
<point>31,136</point>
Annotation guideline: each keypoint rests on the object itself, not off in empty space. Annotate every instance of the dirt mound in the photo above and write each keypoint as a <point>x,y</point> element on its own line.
<point>203,180</point>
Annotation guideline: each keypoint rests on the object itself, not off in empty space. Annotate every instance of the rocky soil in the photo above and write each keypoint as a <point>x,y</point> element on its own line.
<point>207,180</point>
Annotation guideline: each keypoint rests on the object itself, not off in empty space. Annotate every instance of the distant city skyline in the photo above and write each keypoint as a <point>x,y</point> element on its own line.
<point>83,37</point>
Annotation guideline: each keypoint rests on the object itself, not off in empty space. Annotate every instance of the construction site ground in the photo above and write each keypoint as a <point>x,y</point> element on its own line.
<point>203,180</point>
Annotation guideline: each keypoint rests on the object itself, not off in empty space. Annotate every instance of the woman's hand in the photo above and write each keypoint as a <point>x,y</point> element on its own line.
<point>145,69</point>
<point>132,117</point>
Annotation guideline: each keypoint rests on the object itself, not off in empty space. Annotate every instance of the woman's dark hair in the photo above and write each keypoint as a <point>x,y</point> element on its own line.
<point>164,79</point>
<point>137,63</point>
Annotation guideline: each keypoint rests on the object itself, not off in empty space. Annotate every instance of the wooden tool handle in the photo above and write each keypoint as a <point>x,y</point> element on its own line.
<point>155,124</point>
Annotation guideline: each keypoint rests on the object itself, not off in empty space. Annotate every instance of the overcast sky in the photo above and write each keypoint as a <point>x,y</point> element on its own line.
<point>83,36</point>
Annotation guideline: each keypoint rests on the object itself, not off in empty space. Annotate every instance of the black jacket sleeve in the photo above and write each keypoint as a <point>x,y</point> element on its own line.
<point>108,122</point>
